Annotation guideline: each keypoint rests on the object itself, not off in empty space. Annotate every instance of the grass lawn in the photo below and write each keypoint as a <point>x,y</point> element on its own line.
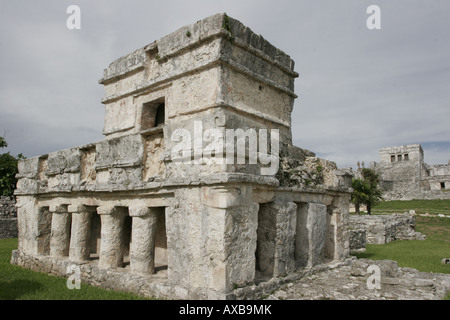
<point>420,206</point>
<point>423,255</point>
<point>17,283</point>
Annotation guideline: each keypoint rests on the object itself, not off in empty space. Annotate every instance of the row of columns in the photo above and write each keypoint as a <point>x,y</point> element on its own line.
<point>71,232</point>
<point>294,235</point>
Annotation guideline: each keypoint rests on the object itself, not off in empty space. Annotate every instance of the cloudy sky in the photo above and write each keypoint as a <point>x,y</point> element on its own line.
<point>359,89</point>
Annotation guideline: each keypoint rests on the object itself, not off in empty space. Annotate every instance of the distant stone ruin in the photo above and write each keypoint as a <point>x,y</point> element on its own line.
<point>8,217</point>
<point>405,175</point>
<point>196,191</point>
<point>382,229</point>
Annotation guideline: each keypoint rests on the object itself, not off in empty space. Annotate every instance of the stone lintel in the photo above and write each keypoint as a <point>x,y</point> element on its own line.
<point>79,208</point>
<point>227,196</point>
<point>60,208</point>
<point>139,211</point>
<point>107,210</point>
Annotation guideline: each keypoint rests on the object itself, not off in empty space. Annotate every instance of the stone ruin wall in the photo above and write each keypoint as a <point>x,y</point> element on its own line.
<point>405,175</point>
<point>381,229</point>
<point>8,217</point>
<point>132,218</point>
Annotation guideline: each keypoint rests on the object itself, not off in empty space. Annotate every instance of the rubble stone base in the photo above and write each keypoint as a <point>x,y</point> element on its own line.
<point>349,282</point>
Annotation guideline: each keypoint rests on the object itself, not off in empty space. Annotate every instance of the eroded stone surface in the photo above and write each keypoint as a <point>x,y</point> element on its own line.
<point>349,282</point>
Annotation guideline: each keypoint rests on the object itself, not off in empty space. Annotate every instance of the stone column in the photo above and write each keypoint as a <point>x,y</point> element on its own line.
<point>28,225</point>
<point>142,251</point>
<point>276,238</point>
<point>81,230</point>
<point>230,221</point>
<point>340,210</point>
<point>111,248</point>
<point>310,234</point>
<point>60,235</point>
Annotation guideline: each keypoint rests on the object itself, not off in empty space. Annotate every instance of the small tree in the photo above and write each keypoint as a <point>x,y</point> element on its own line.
<point>366,190</point>
<point>8,170</point>
<point>360,193</point>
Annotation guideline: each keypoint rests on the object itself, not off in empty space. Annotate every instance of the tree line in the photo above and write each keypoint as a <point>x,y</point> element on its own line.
<point>8,170</point>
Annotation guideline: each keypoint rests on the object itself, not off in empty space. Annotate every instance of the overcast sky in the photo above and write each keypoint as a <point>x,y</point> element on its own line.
<point>359,89</point>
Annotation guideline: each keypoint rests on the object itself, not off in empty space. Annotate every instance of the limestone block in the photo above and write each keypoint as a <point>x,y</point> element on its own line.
<point>388,268</point>
<point>27,223</point>
<point>310,234</point>
<point>240,245</point>
<point>276,238</point>
<point>129,63</point>
<point>88,173</point>
<point>184,238</point>
<point>226,196</point>
<point>211,246</point>
<point>28,168</point>
<point>27,186</point>
<point>124,178</point>
<point>179,39</point>
<point>63,182</point>
<point>317,224</point>
<point>154,167</point>
<point>257,42</point>
<point>120,116</point>
<point>125,151</point>
<point>65,161</point>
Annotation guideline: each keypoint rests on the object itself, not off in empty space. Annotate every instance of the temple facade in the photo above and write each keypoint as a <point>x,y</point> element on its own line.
<point>196,192</point>
<point>404,174</point>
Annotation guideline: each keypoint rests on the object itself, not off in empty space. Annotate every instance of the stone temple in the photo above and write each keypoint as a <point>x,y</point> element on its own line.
<point>404,174</point>
<point>149,211</point>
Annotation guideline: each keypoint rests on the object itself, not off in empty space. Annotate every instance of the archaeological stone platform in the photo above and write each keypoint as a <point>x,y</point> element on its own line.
<point>404,174</point>
<point>130,217</point>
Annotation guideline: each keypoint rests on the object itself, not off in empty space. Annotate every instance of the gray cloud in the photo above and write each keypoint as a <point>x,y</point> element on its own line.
<point>359,89</point>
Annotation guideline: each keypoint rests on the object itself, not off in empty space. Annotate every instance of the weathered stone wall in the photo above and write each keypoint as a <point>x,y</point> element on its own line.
<point>8,207</point>
<point>8,228</point>
<point>381,229</point>
<point>8,218</point>
<point>358,239</point>
<point>405,176</point>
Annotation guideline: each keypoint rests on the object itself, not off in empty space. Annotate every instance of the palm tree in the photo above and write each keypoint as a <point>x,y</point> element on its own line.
<point>366,190</point>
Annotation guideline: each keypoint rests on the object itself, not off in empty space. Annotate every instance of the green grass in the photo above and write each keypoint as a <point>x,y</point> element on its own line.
<point>423,255</point>
<point>420,206</point>
<point>17,283</point>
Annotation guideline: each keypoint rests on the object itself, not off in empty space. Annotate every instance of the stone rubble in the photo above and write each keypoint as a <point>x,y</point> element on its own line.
<point>349,282</point>
<point>381,229</point>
